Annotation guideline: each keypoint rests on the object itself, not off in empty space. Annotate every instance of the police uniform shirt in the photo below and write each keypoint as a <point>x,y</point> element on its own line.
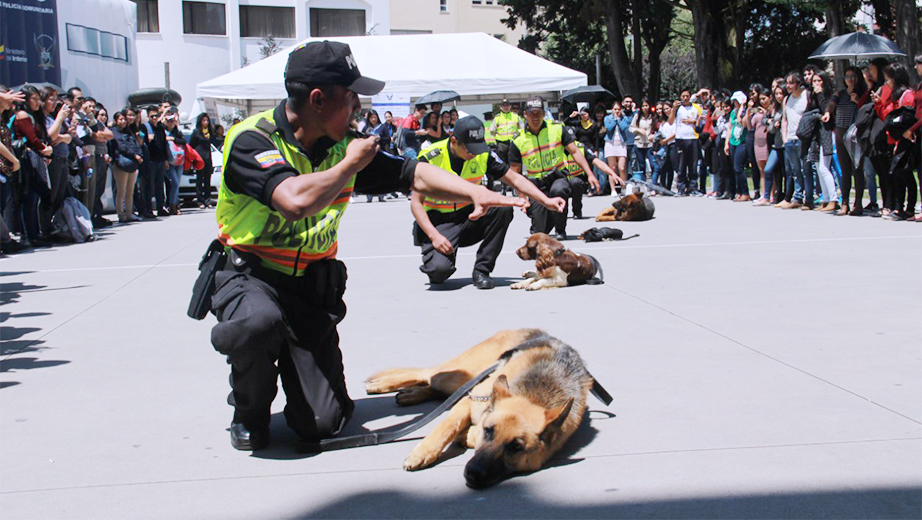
<point>515,156</point>
<point>246,175</point>
<point>496,168</point>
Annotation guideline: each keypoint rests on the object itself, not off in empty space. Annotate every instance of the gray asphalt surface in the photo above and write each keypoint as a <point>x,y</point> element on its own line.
<point>764,364</point>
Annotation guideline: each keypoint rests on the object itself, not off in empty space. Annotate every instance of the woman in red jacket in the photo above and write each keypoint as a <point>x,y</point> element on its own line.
<point>900,175</point>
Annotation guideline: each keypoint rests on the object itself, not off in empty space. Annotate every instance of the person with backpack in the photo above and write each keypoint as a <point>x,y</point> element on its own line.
<point>176,158</point>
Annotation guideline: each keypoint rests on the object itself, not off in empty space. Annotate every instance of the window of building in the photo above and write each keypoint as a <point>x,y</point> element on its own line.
<point>261,22</point>
<point>337,22</point>
<point>203,18</point>
<point>148,17</point>
<point>87,40</point>
<point>485,2</point>
<point>410,31</point>
<point>443,6</point>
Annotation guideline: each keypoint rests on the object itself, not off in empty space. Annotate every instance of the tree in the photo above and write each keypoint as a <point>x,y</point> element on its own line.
<point>268,46</point>
<point>907,32</point>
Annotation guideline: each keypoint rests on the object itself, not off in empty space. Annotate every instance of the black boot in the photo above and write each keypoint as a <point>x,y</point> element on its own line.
<point>248,440</point>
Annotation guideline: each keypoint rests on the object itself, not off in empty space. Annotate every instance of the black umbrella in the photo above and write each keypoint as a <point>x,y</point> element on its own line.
<point>40,86</point>
<point>153,96</point>
<point>439,96</point>
<point>586,94</point>
<point>856,46</point>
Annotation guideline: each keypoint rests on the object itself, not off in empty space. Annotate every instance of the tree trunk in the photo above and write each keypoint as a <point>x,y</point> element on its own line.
<point>656,76</point>
<point>637,48</point>
<point>883,16</point>
<point>908,35</point>
<point>620,64</point>
<point>709,39</point>
<point>835,26</point>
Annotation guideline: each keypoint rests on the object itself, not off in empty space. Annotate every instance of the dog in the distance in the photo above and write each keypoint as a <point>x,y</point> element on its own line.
<point>634,207</point>
<point>605,234</point>
<point>515,420</point>
<point>555,265</point>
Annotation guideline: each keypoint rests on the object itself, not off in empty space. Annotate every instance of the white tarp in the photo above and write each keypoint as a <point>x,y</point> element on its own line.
<point>472,64</point>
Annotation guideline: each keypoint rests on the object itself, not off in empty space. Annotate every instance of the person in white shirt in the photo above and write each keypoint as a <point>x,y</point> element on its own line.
<point>794,107</point>
<point>685,117</point>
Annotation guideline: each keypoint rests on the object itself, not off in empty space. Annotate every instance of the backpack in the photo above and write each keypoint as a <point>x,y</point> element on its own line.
<point>177,154</point>
<point>73,221</point>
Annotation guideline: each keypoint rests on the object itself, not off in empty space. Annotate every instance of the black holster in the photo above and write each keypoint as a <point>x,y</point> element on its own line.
<point>212,262</point>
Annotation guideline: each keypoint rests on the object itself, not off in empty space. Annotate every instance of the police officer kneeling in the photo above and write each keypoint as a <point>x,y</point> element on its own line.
<point>288,177</point>
<point>442,226</point>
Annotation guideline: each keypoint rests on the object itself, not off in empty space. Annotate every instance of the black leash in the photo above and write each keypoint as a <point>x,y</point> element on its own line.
<point>375,438</point>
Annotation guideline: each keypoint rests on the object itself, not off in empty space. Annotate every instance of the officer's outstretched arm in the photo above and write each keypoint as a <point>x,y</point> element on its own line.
<point>525,186</point>
<point>600,164</point>
<point>437,183</point>
<point>305,195</point>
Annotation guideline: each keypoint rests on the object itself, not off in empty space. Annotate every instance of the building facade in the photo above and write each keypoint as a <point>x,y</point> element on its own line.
<point>181,43</point>
<point>452,16</point>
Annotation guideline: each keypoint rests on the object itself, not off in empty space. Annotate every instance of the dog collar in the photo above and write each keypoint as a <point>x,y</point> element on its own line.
<point>479,398</point>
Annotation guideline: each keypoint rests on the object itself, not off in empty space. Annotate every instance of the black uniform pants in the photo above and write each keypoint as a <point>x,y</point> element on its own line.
<point>489,230</point>
<point>267,318</point>
<point>578,186</point>
<point>544,220</point>
<point>687,168</point>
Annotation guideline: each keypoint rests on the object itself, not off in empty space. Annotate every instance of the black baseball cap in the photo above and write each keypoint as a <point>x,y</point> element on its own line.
<point>534,102</point>
<point>469,132</point>
<point>329,63</point>
<point>505,101</point>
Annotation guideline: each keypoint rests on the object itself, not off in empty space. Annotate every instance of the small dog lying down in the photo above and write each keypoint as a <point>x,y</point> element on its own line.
<point>604,234</point>
<point>634,207</point>
<point>555,265</point>
<point>515,420</point>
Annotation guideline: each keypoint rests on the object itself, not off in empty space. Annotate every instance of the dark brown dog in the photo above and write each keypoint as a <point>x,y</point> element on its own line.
<point>555,265</point>
<point>634,207</point>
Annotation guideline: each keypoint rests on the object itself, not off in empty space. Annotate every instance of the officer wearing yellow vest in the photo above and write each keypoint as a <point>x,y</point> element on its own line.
<point>505,127</point>
<point>539,153</point>
<point>288,177</point>
<point>442,226</point>
<point>578,179</point>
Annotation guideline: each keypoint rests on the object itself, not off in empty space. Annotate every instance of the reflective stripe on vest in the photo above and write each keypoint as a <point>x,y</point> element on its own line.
<point>573,168</point>
<point>543,152</point>
<point>472,171</point>
<point>487,135</point>
<point>283,245</point>
<point>507,126</point>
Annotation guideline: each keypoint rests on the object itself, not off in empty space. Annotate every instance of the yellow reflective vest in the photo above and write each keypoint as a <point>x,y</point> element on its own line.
<point>473,171</point>
<point>543,152</point>
<point>248,225</point>
<point>507,126</point>
<point>572,167</point>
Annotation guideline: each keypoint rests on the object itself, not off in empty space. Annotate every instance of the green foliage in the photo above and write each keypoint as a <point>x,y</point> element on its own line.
<point>779,36</point>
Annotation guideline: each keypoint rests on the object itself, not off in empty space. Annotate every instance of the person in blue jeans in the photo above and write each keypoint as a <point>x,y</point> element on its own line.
<point>793,107</point>
<point>173,171</point>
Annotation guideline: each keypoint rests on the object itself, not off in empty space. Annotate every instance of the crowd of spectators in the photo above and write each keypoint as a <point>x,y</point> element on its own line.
<point>803,142</point>
<point>54,146</point>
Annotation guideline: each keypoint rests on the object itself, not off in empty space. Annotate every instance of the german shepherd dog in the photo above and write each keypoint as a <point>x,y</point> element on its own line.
<point>515,420</point>
<point>635,207</point>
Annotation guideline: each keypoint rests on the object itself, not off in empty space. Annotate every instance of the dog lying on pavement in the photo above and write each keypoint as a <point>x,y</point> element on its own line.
<point>555,265</point>
<point>634,207</point>
<point>515,420</point>
<point>604,234</point>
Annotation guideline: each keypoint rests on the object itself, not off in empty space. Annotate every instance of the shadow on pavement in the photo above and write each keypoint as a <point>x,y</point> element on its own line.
<point>453,284</point>
<point>28,363</point>
<point>516,500</point>
<point>11,292</point>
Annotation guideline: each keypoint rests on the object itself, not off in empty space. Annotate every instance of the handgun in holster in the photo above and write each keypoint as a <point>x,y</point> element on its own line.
<point>212,262</point>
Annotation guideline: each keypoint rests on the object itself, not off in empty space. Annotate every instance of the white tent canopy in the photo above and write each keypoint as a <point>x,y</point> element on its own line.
<point>476,65</point>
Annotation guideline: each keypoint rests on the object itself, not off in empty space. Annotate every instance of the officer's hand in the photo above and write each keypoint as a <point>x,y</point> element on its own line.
<point>557,204</point>
<point>442,245</point>
<point>617,180</point>
<point>485,199</point>
<point>594,184</point>
<point>362,151</point>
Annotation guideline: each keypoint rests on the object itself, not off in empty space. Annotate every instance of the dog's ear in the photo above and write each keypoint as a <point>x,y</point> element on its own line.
<point>554,419</point>
<point>501,388</point>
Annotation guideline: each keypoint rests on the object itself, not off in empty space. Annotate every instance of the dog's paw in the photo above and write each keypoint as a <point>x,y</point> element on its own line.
<point>529,274</point>
<point>414,395</point>
<point>534,287</point>
<point>519,285</point>
<point>419,459</point>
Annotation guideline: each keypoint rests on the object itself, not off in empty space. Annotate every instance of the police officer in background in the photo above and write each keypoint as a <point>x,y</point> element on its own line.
<point>539,153</point>
<point>288,176</point>
<point>442,226</point>
<point>505,127</point>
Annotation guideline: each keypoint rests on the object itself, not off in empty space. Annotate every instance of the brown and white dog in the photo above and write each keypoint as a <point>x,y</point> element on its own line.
<point>634,207</point>
<point>555,265</point>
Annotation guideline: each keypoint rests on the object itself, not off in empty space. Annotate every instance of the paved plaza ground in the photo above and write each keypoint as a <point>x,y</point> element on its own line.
<point>763,363</point>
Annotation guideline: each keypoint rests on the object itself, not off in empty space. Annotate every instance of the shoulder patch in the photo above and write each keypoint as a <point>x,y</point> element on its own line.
<point>496,157</point>
<point>269,158</point>
<point>433,153</point>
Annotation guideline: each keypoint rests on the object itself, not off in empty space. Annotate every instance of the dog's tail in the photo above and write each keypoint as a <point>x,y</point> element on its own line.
<point>397,379</point>
<point>600,276</point>
<point>635,235</point>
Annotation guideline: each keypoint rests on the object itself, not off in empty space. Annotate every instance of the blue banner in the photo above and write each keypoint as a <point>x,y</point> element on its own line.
<point>30,49</point>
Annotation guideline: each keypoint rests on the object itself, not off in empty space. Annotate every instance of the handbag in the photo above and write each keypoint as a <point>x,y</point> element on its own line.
<point>127,164</point>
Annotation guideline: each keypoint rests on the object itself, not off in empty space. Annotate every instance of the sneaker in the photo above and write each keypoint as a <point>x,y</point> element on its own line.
<point>783,204</point>
<point>795,204</point>
<point>761,202</point>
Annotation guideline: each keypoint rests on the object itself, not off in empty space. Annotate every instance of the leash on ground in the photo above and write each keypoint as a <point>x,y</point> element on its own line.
<point>375,438</point>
